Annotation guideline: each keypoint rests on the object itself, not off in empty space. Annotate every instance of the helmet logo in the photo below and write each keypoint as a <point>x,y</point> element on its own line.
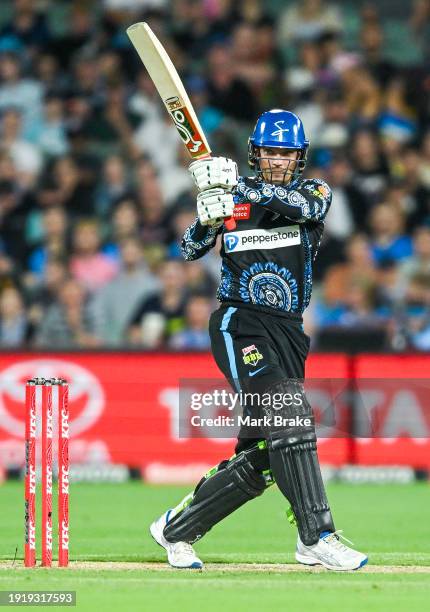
<point>280,129</point>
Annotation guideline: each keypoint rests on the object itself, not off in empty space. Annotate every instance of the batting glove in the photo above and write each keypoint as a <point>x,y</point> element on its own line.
<point>214,172</point>
<point>213,206</point>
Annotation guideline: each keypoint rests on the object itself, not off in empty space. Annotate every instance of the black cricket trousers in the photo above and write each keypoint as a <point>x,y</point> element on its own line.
<point>256,347</point>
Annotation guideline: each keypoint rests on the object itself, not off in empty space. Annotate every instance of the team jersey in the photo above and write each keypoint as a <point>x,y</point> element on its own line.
<point>267,260</point>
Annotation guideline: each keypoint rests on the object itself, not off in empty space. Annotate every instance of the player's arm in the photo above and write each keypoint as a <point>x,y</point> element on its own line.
<point>310,201</point>
<point>199,239</point>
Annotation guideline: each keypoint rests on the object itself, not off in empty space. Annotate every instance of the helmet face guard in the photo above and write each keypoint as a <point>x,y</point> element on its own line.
<point>278,129</point>
<point>291,172</point>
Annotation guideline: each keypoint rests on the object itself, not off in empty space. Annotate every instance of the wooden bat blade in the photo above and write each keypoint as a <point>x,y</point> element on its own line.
<point>169,85</point>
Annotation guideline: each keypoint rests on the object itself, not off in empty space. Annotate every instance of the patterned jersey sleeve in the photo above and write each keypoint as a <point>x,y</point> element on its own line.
<point>308,201</point>
<point>198,240</point>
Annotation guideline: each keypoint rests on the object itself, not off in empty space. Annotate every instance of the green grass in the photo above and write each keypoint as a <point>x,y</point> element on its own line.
<point>109,523</point>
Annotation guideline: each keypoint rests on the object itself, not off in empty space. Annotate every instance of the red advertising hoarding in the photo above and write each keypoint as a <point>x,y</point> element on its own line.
<point>124,408</point>
<point>399,404</point>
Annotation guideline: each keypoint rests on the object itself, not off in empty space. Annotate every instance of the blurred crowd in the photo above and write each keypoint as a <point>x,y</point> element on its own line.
<point>94,189</point>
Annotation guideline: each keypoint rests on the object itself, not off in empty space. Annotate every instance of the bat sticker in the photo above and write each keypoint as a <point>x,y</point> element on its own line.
<point>188,132</point>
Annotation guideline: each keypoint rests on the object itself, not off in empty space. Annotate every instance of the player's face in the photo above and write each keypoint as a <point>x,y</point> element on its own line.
<point>277,164</point>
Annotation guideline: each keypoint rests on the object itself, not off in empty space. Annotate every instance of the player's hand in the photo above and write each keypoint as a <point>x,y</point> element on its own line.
<point>213,206</point>
<point>214,172</point>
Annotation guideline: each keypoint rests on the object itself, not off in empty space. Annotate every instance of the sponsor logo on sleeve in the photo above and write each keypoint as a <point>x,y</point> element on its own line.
<point>242,211</point>
<point>323,189</point>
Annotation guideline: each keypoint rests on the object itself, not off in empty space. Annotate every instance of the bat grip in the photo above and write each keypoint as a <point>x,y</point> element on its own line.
<point>230,222</point>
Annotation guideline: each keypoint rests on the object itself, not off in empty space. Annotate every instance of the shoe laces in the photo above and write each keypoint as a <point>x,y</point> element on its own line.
<point>184,547</point>
<point>334,539</point>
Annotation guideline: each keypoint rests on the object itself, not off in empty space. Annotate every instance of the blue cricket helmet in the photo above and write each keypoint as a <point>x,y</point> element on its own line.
<point>278,128</point>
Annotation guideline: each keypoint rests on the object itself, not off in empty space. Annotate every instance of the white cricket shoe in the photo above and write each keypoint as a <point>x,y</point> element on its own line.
<point>179,554</point>
<point>330,552</point>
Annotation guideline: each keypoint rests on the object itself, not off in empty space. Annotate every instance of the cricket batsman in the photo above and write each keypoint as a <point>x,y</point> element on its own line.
<point>258,340</point>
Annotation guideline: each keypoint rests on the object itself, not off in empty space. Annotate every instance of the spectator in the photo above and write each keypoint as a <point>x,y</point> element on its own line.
<point>25,156</point>
<point>210,117</point>
<point>181,220</point>
<point>125,220</point>
<point>419,24</point>
<point>46,292</point>
<point>331,122</point>
<point>302,75</point>
<point>363,96</point>
<point>117,301</point>
<point>227,92</point>
<point>86,78</point>
<point>395,134</point>
<point>387,287</point>
<point>195,335</point>
<point>371,43</point>
<point>19,93</point>
<point>416,193</point>
<point>306,20</point>
<point>124,224</point>
<point>53,81</point>
<point>8,269</point>
<point>112,187</point>
<point>357,271</point>
<point>172,179</point>
<point>330,253</point>
<point>198,280</point>
<point>360,308</point>
<point>88,264</point>
<point>154,218</point>
<point>65,186</point>
<point>388,239</point>
<point>54,244</point>
<point>157,138</point>
<point>424,165</point>
<point>14,326</point>
<point>13,211</point>
<point>333,57</point>
<point>50,134</point>
<point>370,173</point>
<point>175,180</point>
<point>113,124</point>
<point>161,315</point>
<point>172,183</point>
<point>192,29</point>
<point>411,328</point>
<point>27,26</point>
<point>69,322</point>
<point>78,34</point>
<point>144,101</point>
<point>419,261</point>
<point>251,65</point>
<point>340,221</point>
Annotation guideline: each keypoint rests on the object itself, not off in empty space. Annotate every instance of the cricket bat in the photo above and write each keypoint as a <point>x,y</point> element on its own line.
<point>169,85</point>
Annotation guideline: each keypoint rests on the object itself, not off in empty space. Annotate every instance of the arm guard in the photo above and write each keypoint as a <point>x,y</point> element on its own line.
<point>198,240</point>
<point>309,201</point>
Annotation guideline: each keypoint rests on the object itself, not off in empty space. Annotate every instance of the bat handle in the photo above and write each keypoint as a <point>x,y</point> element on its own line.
<point>230,222</point>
